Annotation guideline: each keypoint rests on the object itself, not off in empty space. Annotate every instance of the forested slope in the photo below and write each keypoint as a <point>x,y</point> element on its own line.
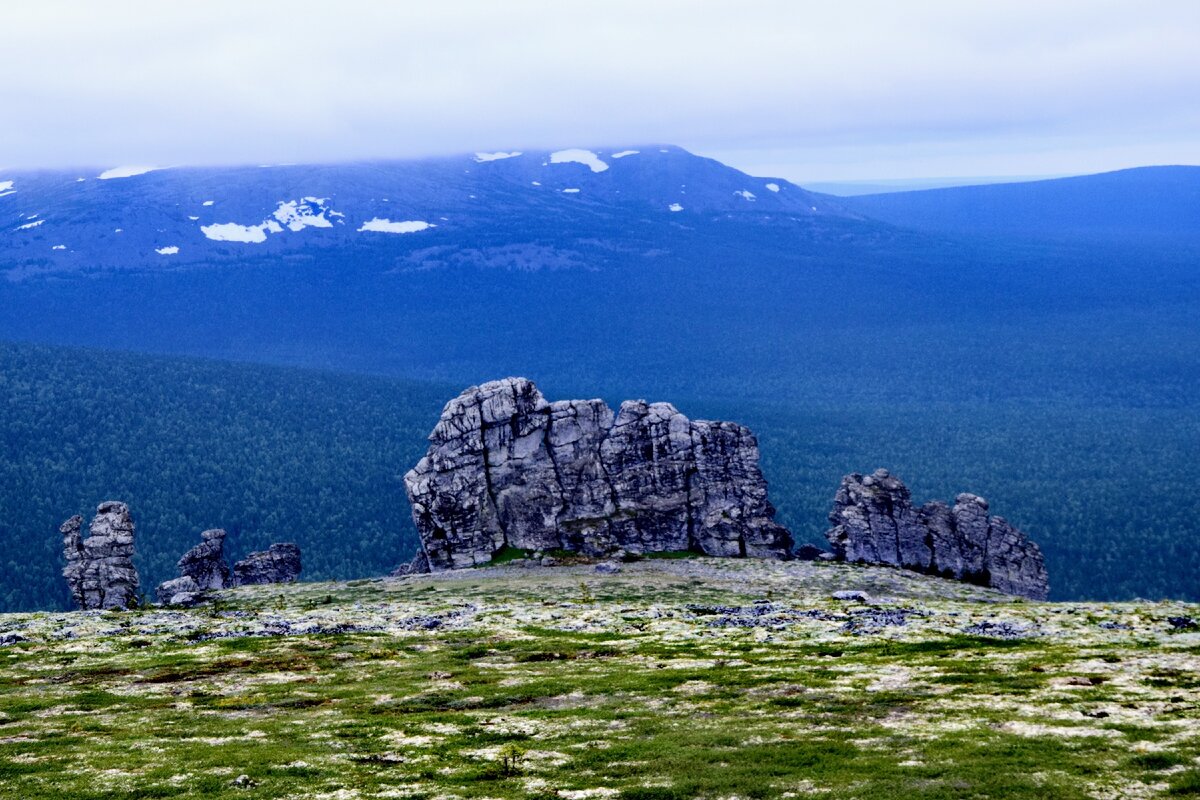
<point>269,453</point>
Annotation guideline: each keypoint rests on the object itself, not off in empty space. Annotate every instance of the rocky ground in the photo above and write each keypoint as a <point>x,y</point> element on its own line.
<point>670,678</point>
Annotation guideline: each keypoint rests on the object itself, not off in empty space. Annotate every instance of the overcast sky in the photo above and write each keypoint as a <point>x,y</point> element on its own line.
<point>803,90</point>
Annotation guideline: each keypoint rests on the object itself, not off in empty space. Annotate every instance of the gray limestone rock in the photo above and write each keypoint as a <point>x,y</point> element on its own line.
<point>506,468</point>
<point>874,522</point>
<point>99,569</point>
<point>280,563</point>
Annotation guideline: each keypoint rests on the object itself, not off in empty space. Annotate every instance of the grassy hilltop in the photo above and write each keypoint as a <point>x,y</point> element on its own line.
<point>671,679</point>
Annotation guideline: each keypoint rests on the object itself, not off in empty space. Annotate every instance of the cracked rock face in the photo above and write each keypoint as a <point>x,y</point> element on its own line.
<point>874,522</point>
<point>205,563</point>
<point>506,468</point>
<point>280,563</point>
<point>99,569</point>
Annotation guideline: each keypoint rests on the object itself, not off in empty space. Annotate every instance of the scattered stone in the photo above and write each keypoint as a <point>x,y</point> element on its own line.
<point>850,595</point>
<point>875,522</point>
<point>418,566</point>
<point>608,568</point>
<point>1183,623</point>
<point>11,638</point>
<point>99,570</point>
<point>874,620</point>
<point>809,552</point>
<point>998,630</point>
<point>280,563</point>
<point>243,782</point>
<point>506,468</point>
<point>183,592</point>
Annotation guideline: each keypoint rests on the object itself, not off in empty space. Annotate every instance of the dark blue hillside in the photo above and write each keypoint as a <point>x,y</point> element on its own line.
<point>168,219</point>
<point>1143,203</point>
<point>1058,377</point>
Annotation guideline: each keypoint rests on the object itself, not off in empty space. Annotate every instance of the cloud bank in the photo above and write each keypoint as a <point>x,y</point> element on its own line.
<point>805,90</point>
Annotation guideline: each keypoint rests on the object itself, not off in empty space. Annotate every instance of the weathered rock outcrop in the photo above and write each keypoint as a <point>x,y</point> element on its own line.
<point>205,563</point>
<point>99,570</point>
<point>874,522</point>
<point>182,591</point>
<point>506,468</point>
<point>280,563</point>
<point>201,569</point>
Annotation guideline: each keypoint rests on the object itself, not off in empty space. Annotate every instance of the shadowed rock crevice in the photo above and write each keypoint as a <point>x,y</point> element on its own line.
<point>874,522</point>
<point>99,569</point>
<point>506,468</point>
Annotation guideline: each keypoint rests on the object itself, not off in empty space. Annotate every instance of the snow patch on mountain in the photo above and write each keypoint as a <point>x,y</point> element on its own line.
<point>207,203</point>
<point>5,186</point>
<point>577,156</point>
<point>675,207</point>
<point>624,153</point>
<point>774,187</point>
<point>484,157</point>
<point>307,213</point>
<point>570,191</point>
<point>745,194</point>
<point>379,225</point>
<point>167,251</point>
<point>124,172</point>
<point>59,247</point>
<point>29,225</point>
<point>233,232</point>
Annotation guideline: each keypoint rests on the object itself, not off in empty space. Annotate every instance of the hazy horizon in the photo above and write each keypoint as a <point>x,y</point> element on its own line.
<point>864,91</point>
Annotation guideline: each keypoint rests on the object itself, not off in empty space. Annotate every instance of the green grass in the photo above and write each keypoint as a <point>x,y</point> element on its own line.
<point>526,691</point>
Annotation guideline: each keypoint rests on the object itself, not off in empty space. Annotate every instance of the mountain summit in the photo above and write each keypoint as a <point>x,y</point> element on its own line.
<point>146,218</point>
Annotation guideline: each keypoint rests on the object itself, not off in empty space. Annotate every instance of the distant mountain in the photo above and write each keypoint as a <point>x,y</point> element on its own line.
<point>418,211</point>
<point>1147,201</point>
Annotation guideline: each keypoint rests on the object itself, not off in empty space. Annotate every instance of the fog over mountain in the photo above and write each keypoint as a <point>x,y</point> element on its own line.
<point>856,90</point>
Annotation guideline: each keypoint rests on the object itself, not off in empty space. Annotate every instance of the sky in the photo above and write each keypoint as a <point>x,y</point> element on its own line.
<point>808,91</point>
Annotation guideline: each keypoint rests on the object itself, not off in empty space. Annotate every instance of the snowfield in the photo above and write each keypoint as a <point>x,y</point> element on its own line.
<point>379,225</point>
<point>124,172</point>
<point>485,157</point>
<point>576,156</point>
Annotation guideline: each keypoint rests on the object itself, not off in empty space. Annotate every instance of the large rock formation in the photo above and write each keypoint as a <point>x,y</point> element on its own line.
<point>506,468</point>
<point>874,522</point>
<point>205,563</point>
<point>201,569</point>
<point>99,570</point>
<point>280,563</point>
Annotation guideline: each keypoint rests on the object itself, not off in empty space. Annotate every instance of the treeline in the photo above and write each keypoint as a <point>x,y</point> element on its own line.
<point>271,454</point>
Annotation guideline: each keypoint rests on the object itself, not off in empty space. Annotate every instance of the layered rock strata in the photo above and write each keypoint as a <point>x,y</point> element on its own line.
<point>875,522</point>
<point>99,569</point>
<point>506,468</point>
<point>280,563</point>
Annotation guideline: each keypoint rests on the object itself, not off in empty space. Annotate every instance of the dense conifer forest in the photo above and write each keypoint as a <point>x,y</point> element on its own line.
<point>274,454</point>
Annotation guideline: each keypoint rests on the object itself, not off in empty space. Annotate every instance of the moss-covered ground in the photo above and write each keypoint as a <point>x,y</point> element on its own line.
<point>674,678</point>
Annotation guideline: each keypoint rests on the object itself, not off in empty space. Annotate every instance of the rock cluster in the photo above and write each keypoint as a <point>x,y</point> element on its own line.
<point>875,522</point>
<point>279,563</point>
<point>203,569</point>
<point>99,570</point>
<point>506,468</point>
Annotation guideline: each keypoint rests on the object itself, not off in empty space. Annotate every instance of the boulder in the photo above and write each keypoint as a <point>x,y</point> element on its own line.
<point>506,468</point>
<point>875,522</point>
<point>99,569</point>
<point>280,563</point>
<point>205,563</point>
<point>182,591</point>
